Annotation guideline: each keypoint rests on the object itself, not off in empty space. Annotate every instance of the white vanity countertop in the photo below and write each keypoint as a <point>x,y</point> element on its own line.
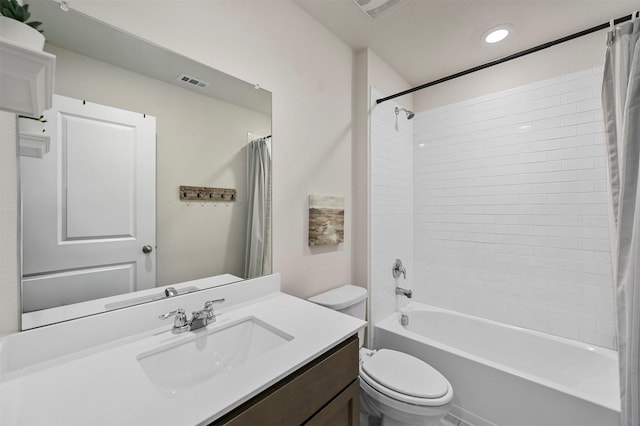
<point>106,385</point>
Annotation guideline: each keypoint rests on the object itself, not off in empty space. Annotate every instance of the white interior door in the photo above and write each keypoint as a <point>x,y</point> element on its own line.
<point>89,206</point>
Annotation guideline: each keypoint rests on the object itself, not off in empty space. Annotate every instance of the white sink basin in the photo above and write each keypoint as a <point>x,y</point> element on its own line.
<point>209,352</point>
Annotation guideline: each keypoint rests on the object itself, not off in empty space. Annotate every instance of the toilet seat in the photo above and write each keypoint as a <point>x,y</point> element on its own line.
<point>405,378</point>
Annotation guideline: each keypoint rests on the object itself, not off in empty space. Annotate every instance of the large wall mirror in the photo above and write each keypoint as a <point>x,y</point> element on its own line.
<point>105,223</point>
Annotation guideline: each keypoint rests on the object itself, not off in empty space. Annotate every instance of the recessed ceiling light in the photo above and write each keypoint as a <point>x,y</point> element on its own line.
<point>496,34</point>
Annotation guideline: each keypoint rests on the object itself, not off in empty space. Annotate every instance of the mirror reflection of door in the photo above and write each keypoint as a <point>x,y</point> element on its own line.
<point>89,206</point>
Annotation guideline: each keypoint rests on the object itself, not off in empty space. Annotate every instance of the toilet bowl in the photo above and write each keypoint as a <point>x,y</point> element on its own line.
<point>399,388</point>
<point>403,390</point>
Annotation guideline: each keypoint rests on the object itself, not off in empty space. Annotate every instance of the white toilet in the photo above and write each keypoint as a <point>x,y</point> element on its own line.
<point>401,389</point>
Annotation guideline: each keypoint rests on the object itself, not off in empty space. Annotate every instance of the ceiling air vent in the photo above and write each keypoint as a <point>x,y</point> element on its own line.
<point>192,81</point>
<point>376,8</point>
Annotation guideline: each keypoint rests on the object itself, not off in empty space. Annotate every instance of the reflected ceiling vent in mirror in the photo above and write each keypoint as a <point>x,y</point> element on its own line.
<point>192,81</point>
<point>377,8</point>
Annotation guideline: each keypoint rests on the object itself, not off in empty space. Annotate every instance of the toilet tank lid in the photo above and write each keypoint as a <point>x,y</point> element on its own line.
<point>340,297</point>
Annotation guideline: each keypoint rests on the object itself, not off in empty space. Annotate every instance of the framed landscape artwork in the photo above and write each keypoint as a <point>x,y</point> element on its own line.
<point>326,220</point>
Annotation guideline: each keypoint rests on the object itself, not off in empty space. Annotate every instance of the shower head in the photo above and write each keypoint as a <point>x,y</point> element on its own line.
<point>410,114</point>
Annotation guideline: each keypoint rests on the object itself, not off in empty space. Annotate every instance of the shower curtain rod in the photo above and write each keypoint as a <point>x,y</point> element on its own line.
<point>507,58</point>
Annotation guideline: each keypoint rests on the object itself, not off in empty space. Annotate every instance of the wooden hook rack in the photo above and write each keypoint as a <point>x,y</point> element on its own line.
<point>203,193</point>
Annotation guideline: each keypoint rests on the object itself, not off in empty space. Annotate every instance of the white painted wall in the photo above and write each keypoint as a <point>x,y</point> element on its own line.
<point>360,171</point>
<point>309,72</point>
<point>511,208</point>
<point>386,80</point>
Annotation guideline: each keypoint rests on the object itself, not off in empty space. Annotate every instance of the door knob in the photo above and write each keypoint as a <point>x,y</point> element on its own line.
<point>147,249</point>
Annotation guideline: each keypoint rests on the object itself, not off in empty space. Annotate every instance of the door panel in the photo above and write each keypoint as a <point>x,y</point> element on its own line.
<point>51,290</point>
<point>99,174</point>
<point>89,204</point>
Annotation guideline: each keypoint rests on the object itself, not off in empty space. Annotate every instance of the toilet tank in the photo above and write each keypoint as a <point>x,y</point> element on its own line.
<point>348,299</point>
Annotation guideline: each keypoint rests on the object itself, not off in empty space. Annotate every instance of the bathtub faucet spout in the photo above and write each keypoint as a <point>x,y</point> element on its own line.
<point>404,292</point>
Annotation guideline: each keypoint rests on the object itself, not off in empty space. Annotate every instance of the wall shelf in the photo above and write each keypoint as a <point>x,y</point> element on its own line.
<point>34,145</point>
<point>26,79</point>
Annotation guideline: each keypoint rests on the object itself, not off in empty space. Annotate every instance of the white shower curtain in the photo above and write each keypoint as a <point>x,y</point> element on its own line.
<point>257,259</point>
<point>621,104</point>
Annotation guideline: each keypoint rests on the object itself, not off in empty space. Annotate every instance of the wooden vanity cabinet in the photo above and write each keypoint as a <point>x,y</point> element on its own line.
<point>324,392</point>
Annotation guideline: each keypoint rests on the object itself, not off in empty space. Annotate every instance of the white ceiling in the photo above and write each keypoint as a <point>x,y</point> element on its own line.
<point>424,40</point>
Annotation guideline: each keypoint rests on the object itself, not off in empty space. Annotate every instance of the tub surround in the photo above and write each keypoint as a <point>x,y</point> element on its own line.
<point>510,208</point>
<point>68,373</point>
<point>505,375</point>
<point>392,208</point>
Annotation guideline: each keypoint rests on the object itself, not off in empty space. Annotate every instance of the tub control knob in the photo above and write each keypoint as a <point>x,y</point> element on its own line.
<point>398,269</point>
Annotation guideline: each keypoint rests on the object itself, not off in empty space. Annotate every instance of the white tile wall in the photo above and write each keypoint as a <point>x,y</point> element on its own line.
<point>391,198</point>
<point>510,208</point>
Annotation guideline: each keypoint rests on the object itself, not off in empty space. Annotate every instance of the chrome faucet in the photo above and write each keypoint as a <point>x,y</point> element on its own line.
<point>198,320</point>
<point>404,292</point>
<point>398,269</point>
<point>170,292</point>
<point>180,323</point>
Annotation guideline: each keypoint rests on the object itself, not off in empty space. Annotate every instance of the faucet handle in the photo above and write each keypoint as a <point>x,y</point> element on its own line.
<point>208,307</point>
<point>180,322</point>
<point>398,269</point>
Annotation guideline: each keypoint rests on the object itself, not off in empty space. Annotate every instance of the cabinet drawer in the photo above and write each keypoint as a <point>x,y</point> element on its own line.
<point>296,398</point>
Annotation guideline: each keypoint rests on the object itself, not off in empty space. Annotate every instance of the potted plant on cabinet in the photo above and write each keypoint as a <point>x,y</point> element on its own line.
<point>16,27</point>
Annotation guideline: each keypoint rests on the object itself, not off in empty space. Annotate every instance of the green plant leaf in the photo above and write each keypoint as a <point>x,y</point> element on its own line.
<point>12,9</point>
<point>13,6</point>
<point>34,24</point>
<point>7,5</point>
<point>8,10</point>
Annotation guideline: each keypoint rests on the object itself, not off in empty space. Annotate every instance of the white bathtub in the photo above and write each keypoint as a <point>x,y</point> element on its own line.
<point>509,376</point>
